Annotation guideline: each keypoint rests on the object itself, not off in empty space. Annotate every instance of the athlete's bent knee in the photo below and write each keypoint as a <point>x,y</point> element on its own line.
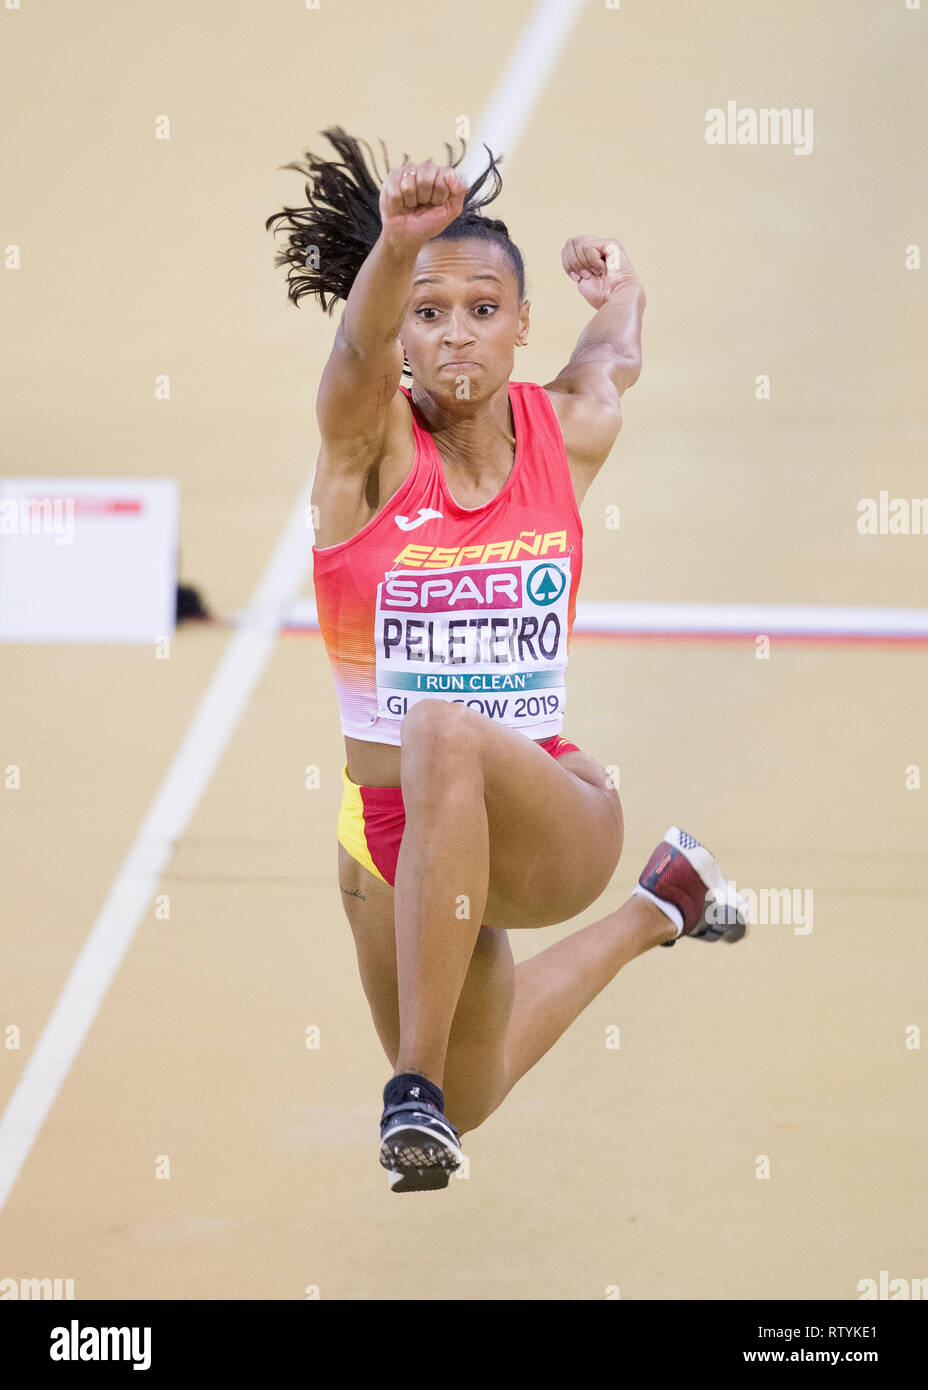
<point>439,725</point>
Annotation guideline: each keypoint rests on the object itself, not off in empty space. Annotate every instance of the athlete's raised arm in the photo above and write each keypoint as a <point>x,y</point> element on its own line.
<point>607,358</point>
<point>362,374</point>
<point>610,345</point>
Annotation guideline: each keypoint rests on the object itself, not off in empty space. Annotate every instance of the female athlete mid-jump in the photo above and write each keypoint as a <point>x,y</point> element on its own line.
<point>446,564</point>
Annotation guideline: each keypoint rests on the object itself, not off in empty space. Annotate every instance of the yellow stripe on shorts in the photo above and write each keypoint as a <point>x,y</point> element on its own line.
<point>351,825</point>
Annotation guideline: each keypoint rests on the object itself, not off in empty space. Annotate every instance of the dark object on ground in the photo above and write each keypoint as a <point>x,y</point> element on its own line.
<point>190,604</point>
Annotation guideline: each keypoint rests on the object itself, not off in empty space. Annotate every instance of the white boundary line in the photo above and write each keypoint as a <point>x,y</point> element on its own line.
<point>133,889</point>
<point>708,619</point>
<point>228,693</point>
<point>537,50</point>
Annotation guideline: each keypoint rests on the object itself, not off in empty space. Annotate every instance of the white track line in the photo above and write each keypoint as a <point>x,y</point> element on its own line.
<point>133,890</point>
<point>228,693</point>
<point>752,619</point>
<point>538,48</point>
<point>709,619</point>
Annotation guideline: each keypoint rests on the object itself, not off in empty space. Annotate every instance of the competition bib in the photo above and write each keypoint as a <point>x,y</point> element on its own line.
<point>492,637</point>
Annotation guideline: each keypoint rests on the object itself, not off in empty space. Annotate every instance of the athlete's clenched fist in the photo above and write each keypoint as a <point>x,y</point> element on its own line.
<point>599,266</point>
<point>418,201</point>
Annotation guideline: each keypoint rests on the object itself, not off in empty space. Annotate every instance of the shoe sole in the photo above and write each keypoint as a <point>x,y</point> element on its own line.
<point>417,1159</point>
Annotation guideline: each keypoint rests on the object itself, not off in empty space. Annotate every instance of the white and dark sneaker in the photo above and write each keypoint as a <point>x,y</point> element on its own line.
<point>419,1146</point>
<point>683,872</point>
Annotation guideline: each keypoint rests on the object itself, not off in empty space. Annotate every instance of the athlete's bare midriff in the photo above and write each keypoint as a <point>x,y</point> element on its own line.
<point>378,764</point>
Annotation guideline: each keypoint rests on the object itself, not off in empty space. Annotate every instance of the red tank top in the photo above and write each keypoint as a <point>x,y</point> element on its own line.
<point>431,600</point>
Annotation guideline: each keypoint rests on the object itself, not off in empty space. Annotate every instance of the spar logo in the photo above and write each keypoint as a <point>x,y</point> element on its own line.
<point>498,588</point>
<point>545,584</point>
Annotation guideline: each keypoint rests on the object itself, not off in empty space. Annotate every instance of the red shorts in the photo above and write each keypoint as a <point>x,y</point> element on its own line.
<point>371,819</point>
